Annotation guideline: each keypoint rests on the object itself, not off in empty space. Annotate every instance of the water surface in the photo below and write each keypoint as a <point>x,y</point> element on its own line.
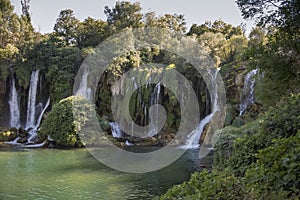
<point>75,174</point>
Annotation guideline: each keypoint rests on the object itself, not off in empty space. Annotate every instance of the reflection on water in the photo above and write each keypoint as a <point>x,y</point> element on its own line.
<point>75,174</point>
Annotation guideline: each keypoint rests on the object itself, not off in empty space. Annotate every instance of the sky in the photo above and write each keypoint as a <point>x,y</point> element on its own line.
<point>45,12</point>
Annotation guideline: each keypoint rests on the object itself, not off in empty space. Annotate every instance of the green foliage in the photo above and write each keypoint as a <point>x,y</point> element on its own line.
<point>281,13</point>
<point>91,32</point>
<point>280,121</point>
<point>259,160</point>
<point>278,55</point>
<point>23,76</point>
<point>236,147</point>
<point>217,26</point>
<point>66,26</point>
<point>208,185</point>
<point>174,22</point>
<point>225,42</point>
<point>124,15</point>
<point>284,119</point>
<point>62,126</point>
<point>277,169</point>
<point>278,60</point>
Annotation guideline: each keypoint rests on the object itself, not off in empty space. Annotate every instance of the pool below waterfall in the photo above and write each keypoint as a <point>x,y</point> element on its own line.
<point>75,174</point>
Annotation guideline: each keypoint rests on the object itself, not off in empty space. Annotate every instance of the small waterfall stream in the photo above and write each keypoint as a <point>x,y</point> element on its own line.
<point>115,130</point>
<point>155,96</point>
<point>83,87</point>
<point>33,131</point>
<point>248,91</point>
<point>14,106</point>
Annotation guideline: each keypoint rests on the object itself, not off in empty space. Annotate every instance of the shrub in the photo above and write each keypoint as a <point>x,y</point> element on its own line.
<point>206,185</point>
<point>277,169</point>
<point>61,125</point>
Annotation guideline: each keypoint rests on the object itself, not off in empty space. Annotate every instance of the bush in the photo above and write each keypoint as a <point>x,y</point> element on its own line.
<point>229,152</point>
<point>277,169</point>
<point>284,119</point>
<point>206,185</point>
<point>61,125</point>
<point>244,143</point>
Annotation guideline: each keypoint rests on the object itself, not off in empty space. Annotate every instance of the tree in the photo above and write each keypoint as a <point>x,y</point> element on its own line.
<point>256,36</point>
<point>217,26</point>
<point>279,13</point>
<point>66,26</point>
<point>174,22</point>
<point>25,9</point>
<point>278,56</point>
<point>124,15</point>
<point>63,123</point>
<point>91,32</point>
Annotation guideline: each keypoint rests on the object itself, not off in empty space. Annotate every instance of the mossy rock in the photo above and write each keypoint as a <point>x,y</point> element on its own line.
<point>8,135</point>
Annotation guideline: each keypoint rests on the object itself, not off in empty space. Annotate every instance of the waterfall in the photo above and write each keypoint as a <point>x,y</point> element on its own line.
<point>248,91</point>
<point>83,87</point>
<point>35,111</point>
<point>31,105</point>
<point>38,123</point>
<point>194,137</point>
<point>33,131</point>
<point>127,143</point>
<point>115,130</point>
<point>154,99</point>
<point>14,106</point>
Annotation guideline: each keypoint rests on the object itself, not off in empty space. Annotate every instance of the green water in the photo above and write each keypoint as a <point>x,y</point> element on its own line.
<point>75,174</point>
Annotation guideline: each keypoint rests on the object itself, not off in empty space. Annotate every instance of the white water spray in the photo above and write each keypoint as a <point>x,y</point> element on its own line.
<point>14,106</point>
<point>84,90</point>
<point>194,137</point>
<point>31,105</point>
<point>115,130</point>
<point>34,130</point>
<point>248,91</point>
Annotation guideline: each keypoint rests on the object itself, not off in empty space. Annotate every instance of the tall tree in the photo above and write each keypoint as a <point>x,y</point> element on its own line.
<point>25,9</point>
<point>91,32</point>
<point>124,14</point>
<point>66,26</point>
<point>173,22</point>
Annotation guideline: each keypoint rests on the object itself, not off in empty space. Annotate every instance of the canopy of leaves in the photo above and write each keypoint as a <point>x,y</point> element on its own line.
<point>124,15</point>
<point>279,13</point>
<point>66,25</point>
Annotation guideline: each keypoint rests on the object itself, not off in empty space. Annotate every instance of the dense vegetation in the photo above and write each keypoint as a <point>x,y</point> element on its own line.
<point>260,159</point>
<point>257,155</point>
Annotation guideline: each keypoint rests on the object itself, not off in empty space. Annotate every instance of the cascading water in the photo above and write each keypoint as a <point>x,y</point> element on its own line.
<point>115,130</point>
<point>31,105</point>
<point>35,111</point>
<point>248,91</point>
<point>14,106</point>
<point>33,131</point>
<point>83,87</point>
<point>155,96</point>
<point>194,137</point>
